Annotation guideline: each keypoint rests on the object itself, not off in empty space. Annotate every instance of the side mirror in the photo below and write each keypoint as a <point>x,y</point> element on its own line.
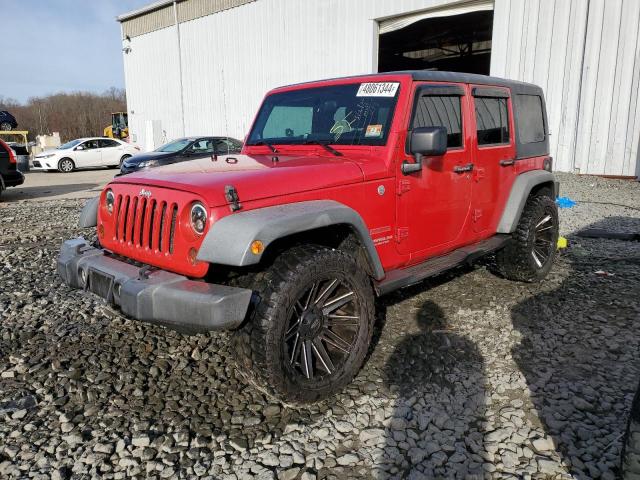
<point>425,141</point>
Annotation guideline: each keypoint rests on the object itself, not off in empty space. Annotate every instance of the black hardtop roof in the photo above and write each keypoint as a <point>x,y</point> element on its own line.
<point>455,77</point>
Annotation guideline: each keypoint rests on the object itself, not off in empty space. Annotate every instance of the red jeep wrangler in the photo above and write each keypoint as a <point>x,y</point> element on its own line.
<point>345,189</point>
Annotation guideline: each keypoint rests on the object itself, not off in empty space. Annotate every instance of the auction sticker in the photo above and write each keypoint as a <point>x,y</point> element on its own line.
<point>380,89</point>
<point>373,131</point>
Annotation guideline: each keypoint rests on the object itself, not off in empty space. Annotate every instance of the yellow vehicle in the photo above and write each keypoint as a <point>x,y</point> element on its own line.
<point>119,127</point>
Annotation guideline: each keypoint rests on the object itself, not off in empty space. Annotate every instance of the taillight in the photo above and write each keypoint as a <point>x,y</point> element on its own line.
<point>12,154</point>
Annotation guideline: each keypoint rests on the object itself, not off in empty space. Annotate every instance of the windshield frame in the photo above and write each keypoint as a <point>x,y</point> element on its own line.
<point>255,139</point>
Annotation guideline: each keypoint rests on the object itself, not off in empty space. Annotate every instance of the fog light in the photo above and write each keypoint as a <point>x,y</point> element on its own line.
<point>193,253</point>
<point>257,247</point>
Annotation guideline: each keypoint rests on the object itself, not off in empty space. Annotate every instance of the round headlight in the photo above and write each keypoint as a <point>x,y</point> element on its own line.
<point>110,200</point>
<point>198,218</point>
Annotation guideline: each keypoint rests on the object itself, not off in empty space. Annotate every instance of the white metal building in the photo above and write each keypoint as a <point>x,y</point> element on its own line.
<point>202,66</point>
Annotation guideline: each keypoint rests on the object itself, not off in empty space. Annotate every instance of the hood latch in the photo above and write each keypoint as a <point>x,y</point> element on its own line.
<point>231,194</point>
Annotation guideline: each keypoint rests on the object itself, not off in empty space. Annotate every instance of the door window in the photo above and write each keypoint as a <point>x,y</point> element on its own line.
<point>201,147</point>
<point>108,143</point>
<point>225,146</point>
<point>90,144</point>
<point>440,111</point>
<point>492,121</point>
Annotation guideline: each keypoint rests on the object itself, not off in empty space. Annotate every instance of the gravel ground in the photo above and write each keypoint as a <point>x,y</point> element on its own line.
<point>472,376</point>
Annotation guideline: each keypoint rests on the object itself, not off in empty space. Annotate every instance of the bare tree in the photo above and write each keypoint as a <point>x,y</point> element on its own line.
<point>74,115</point>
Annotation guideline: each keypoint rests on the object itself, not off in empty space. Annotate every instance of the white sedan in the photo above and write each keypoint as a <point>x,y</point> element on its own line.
<point>84,153</point>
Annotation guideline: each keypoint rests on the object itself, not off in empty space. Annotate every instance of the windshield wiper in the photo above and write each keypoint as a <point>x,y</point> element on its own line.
<point>262,142</point>
<point>325,145</point>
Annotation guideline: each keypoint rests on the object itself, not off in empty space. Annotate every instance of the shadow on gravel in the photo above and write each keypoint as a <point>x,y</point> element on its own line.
<point>438,376</point>
<point>47,191</point>
<point>579,353</point>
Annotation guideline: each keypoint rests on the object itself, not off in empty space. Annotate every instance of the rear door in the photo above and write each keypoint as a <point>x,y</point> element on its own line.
<point>493,171</point>
<point>433,204</point>
<point>112,151</point>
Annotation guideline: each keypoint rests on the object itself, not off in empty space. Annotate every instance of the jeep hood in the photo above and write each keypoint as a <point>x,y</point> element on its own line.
<point>254,177</point>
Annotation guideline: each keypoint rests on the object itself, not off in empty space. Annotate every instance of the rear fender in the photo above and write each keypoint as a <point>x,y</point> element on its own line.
<point>520,191</point>
<point>229,240</point>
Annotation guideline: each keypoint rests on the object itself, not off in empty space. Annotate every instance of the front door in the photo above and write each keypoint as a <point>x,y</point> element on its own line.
<point>494,169</point>
<point>433,204</point>
<point>89,156</point>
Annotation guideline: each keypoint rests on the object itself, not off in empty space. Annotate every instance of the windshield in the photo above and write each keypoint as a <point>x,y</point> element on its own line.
<point>68,145</point>
<point>354,114</point>
<point>174,146</point>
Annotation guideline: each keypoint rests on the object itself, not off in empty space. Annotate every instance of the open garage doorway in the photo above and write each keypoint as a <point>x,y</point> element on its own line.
<point>457,39</point>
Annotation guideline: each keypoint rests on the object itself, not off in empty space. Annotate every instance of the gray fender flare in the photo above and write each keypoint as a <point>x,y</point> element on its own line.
<point>520,191</point>
<point>89,213</point>
<point>229,240</point>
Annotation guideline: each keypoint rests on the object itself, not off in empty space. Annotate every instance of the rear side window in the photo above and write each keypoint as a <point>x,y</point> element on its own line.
<point>492,120</point>
<point>440,111</point>
<point>530,119</point>
<point>108,143</point>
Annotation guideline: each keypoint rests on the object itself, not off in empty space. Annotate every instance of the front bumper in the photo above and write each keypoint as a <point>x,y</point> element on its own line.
<point>154,296</point>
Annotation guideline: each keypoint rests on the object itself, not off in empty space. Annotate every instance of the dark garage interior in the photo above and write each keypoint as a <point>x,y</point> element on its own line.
<point>458,43</point>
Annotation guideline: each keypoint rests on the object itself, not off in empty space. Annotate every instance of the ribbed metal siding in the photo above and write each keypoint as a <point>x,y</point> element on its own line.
<point>586,56</point>
<point>186,9</point>
<point>192,9</point>
<point>232,58</point>
<point>149,22</point>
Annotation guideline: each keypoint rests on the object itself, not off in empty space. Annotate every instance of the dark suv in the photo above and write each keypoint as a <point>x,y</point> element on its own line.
<point>10,176</point>
<point>7,121</point>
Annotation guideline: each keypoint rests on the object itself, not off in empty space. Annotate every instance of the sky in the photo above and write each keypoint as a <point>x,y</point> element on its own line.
<point>52,46</point>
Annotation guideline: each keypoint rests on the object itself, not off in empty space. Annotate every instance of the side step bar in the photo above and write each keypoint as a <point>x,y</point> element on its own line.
<point>403,277</point>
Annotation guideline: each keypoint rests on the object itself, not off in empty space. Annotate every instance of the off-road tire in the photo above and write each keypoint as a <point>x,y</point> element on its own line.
<point>259,343</point>
<point>516,261</point>
<point>630,458</point>
<point>66,161</point>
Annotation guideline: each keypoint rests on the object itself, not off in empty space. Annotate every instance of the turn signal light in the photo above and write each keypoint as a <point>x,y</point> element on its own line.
<point>257,247</point>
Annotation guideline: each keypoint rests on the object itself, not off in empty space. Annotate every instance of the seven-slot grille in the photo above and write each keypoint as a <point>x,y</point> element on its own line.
<point>146,222</point>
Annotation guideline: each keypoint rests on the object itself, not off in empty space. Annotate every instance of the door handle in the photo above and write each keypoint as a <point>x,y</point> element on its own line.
<point>507,163</point>
<point>463,168</point>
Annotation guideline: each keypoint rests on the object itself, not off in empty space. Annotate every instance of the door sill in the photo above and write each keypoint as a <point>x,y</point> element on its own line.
<point>403,277</point>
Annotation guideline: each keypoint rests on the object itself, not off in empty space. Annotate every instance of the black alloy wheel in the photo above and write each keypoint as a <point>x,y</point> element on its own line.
<point>322,329</point>
<point>310,326</point>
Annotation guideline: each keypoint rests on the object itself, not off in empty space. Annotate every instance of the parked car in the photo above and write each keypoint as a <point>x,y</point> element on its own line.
<point>346,189</point>
<point>84,153</point>
<point>10,176</point>
<point>180,150</point>
<point>7,121</point>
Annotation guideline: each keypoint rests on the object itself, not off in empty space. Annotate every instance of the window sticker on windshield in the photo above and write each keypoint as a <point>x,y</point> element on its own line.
<point>381,89</point>
<point>373,131</point>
